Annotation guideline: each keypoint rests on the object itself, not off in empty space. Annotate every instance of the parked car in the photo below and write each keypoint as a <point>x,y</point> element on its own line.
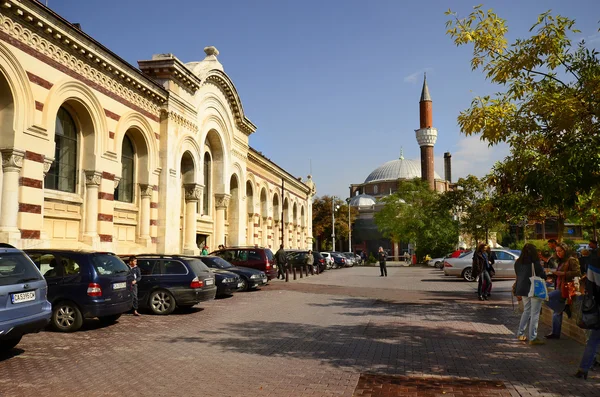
<point>297,258</point>
<point>227,283</point>
<point>437,262</point>
<point>170,281</point>
<point>256,258</point>
<point>350,259</point>
<point>462,266</point>
<point>339,260</point>
<point>249,278</point>
<point>328,259</point>
<point>84,284</point>
<point>24,308</point>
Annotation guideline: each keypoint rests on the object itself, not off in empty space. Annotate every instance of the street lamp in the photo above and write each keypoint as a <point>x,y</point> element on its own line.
<point>349,227</point>
<point>333,208</point>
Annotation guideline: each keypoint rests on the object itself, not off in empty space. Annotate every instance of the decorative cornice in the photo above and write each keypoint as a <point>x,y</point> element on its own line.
<point>47,164</point>
<point>168,67</point>
<point>12,159</point>
<point>220,80</point>
<point>72,49</point>
<point>92,178</point>
<point>222,200</point>
<point>182,121</point>
<point>239,154</point>
<point>193,191</point>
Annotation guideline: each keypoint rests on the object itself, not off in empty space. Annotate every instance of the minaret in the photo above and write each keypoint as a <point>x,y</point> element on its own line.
<point>426,136</point>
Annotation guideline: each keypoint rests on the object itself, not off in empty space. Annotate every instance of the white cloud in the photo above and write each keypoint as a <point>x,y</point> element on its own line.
<point>472,156</point>
<point>415,77</point>
<point>594,38</point>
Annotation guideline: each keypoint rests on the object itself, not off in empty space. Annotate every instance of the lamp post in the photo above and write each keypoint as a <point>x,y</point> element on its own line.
<point>333,208</point>
<point>349,227</point>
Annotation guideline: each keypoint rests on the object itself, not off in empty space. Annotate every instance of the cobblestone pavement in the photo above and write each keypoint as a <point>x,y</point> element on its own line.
<point>343,333</point>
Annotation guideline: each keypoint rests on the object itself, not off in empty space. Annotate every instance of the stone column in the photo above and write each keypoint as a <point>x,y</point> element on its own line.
<point>221,203</point>
<point>276,234</point>
<point>265,231</point>
<point>92,185</point>
<point>193,192</point>
<point>146,197</point>
<point>250,228</point>
<point>12,162</point>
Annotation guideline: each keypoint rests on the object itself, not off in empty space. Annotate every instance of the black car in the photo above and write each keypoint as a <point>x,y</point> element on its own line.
<point>170,281</point>
<point>250,278</point>
<point>227,282</point>
<point>83,284</point>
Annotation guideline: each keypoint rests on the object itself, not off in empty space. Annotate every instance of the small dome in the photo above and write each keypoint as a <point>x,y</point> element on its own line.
<point>397,169</point>
<point>362,200</point>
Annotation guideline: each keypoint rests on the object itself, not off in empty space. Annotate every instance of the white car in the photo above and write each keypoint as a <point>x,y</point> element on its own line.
<point>436,262</point>
<point>504,264</point>
<point>328,259</point>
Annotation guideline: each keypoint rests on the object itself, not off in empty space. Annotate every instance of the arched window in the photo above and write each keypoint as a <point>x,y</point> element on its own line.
<point>63,172</point>
<point>124,192</point>
<point>207,177</point>
<point>375,189</point>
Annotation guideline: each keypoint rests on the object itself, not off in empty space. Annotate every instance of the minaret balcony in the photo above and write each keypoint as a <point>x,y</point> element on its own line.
<point>426,136</point>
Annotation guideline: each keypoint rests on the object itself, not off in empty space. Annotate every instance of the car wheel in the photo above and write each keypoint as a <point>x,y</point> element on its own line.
<point>7,344</point>
<point>244,283</point>
<point>162,302</point>
<point>439,265</point>
<point>66,317</point>
<point>109,319</point>
<point>467,274</point>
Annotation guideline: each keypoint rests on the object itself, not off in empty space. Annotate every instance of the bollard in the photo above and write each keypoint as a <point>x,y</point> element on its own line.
<point>287,275</point>
<point>301,272</point>
<point>294,271</point>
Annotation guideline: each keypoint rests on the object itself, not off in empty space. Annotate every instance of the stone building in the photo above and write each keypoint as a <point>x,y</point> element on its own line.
<point>99,154</point>
<point>383,181</point>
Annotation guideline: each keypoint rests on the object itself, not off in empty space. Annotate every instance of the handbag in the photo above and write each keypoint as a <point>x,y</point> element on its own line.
<point>492,271</point>
<point>588,313</point>
<point>538,286</point>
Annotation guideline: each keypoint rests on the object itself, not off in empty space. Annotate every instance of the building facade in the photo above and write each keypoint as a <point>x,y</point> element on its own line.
<point>101,155</point>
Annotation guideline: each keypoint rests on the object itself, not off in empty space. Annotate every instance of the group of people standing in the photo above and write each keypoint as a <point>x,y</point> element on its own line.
<point>559,267</point>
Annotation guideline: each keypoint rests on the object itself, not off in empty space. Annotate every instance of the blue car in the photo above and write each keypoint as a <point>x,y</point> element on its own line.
<point>23,305</point>
<point>84,284</point>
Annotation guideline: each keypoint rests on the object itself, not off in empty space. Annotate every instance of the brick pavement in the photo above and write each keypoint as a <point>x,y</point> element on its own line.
<point>313,337</point>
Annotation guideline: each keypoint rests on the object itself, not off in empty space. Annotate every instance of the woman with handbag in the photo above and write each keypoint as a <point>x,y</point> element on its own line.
<point>567,270</point>
<point>527,266</point>
<point>480,268</point>
<point>592,287</point>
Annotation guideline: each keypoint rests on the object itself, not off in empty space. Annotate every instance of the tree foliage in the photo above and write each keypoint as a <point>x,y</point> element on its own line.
<point>548,112</point>
<point>416,214</point>
<point>322,219</point>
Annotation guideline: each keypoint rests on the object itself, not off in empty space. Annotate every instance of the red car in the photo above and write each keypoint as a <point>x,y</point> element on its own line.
<point>256,258</point>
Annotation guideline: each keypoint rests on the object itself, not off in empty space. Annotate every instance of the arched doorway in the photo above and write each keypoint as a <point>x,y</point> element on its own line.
<point>233,212</point>
<point>303,243</point>
<point>287,238</point>
<point>191,193</point>
<point>264,214</point>
<point>276,222</point>
<point>251,230</point>
<point>295,236</point>
<point>9,177</point>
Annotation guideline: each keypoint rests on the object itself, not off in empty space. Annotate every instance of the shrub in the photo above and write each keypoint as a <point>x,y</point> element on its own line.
<point>371,259</point>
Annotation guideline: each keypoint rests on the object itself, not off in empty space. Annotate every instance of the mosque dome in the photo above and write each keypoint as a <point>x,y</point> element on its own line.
<point>362,200</point>
<point>397,169</point>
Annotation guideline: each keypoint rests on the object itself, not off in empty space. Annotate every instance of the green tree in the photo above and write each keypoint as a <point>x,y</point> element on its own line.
<point>322,220</point>
<point>549,111</point>
<point>415,213</point>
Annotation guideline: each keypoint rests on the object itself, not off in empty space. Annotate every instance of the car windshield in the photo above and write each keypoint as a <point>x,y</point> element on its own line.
<point>197,265</point>
<point>217,262</point>
<point>16,268</point>
<point>108,265</point>
<point>269,254</point>
<point>464,254</point>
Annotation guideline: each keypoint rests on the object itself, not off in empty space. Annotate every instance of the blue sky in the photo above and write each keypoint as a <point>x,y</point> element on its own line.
<point>332,82</point>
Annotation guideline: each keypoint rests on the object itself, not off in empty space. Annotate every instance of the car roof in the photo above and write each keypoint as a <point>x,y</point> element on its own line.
<point>72,251</point>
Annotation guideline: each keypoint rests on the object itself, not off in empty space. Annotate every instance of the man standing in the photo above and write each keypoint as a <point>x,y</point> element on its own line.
<point>281,259</point>
<point>137,276</point>
<point>381,258</point>
<point>552,245</point>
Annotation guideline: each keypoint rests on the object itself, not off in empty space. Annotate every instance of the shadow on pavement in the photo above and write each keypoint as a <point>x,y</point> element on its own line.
<point>14,352</point>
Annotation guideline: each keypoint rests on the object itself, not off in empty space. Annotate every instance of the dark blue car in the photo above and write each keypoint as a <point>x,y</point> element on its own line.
<point>23,305</point>
<point>84,284</point>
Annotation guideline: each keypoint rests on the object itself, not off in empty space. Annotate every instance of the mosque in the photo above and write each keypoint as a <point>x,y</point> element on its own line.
<point>100,154</point>
<point>384,180</point>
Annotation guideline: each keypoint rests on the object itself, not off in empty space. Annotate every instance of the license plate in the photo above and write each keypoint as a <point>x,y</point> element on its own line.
<point>264,280</point>
<point>240,285</point>
<point>23,297</point>
<point>209,281</point>
<point>119,285</point>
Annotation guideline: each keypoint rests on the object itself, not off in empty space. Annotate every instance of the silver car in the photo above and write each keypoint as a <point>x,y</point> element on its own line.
<point>461,267</point>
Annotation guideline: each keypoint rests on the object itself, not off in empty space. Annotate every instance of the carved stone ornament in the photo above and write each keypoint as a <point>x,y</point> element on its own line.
<point>12,159</point>
<point>146,190</point>
<point>47,164</point>
<point>93,178</point>
<point>222,200</point>
<point>193,191</point>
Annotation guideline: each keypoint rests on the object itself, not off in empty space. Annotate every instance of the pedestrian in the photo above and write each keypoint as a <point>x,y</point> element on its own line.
<point>363,257</point>
<point>481,268</point>
<point>221,247</point>
<point>205,250</point>
<point>137,276</point>
<point>552,245</point>
<point>491,256</point>
<point>547,259</point>
<point>381,258</point>
<point>567,270</point>
<point>592,286</point>
<point>532,305</point>
<point>407,257</point>
<point>310,259</point>
<point>281,259</point>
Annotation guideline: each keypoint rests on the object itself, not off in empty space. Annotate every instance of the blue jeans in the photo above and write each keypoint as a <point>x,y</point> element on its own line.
<point>484,276</point>
<point>530,316</point>
<point>557,304</point>
<point>589,354</point>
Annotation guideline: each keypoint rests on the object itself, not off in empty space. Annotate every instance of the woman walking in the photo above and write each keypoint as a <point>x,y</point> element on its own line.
<point>137,276</point>
<point>592,287</point>
<point>481,268</point>
<point>568,269</point>
<point>532,306</point>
